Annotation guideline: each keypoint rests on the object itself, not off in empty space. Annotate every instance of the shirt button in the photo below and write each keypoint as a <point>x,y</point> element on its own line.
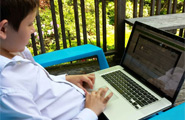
<point>18,62</point>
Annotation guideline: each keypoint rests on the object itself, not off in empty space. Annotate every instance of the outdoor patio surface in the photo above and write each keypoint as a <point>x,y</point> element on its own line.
<point>84,67</point>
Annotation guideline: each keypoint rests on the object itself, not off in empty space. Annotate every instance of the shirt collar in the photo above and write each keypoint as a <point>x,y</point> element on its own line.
<point>5,61</point>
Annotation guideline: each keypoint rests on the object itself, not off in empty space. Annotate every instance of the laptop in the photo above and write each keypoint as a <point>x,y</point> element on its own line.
<point>149,77</point>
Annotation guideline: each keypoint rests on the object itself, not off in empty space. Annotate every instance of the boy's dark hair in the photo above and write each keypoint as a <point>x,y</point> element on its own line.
<point>16,10</point>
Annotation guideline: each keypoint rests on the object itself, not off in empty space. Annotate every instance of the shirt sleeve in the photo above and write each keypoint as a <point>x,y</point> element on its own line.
<point>18,105</point>
<point>58,78</point>
<point>86,114</point>
<point>21,106</point>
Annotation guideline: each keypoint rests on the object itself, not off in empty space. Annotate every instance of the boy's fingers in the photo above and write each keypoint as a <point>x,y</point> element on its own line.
<point>92,77</point>
<point>108,98</point>
<point>80,86</point>
<point>87,93</point>
<point>89,82</point>
<point>102,91</point>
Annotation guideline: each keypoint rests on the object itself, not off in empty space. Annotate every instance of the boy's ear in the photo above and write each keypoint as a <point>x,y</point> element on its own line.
<point>3,28</point>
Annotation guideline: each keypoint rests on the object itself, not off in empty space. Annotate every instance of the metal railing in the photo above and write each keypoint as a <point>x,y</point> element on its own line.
<point>119,26</point>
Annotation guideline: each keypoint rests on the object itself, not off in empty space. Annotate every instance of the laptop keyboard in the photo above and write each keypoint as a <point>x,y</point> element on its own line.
<point>129,89</point>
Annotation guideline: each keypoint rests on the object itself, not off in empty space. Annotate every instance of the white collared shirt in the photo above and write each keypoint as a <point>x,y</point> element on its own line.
<point>29,92</point>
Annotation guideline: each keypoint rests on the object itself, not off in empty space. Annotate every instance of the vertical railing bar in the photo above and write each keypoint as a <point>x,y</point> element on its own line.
<point>181,32</point>
<point>62,23</point>
<point>183,11</point>
<point>40,34</point>
<point>55,24</point>
<point>104,25</point>
<point>174,11</point>
<point>97,22</point>
<point>174,6</point>
<point>169,7</point>
<point>152,7</point>
<point>158,7</point>
<point>83,21</point>
<point>34,44</point>
<point>134,8</point>
<point>120,15</point>
<point>141,8</point>
<point>77,22</point>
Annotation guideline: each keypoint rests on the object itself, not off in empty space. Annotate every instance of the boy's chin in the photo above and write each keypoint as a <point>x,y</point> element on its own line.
<point>19,50</point>
<point>22,49</point>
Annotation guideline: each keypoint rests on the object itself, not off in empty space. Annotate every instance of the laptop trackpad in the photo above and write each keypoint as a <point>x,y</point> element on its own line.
<point>114,97</point>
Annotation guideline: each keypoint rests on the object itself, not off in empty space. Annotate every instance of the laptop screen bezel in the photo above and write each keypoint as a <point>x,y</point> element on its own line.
<point>155,89</point>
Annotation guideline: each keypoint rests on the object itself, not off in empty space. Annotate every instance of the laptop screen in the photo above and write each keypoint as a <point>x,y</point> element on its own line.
<point>156,57</point>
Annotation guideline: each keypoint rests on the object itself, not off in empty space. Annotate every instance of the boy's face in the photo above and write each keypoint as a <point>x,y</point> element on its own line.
<point>17,40</point>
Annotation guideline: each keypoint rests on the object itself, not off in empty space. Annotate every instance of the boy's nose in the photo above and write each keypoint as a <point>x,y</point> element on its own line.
<point>33,30</point>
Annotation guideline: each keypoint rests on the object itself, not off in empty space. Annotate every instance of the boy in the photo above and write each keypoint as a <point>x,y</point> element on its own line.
<point>27,90</point>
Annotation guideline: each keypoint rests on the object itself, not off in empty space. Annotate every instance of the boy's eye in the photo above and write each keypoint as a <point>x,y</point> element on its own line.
<point>30,24</point>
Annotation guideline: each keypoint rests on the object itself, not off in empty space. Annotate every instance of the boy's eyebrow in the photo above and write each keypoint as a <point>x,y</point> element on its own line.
<point>34,18</point>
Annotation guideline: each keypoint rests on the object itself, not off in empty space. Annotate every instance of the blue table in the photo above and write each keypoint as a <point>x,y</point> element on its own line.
<point>175,113</point>
<point>71,54</point>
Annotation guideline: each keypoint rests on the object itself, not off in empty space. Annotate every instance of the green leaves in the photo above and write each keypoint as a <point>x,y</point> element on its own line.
<point>69,20</point>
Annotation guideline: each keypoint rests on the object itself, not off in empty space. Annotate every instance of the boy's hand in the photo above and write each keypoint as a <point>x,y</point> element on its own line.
<point>82,81</point>
<point>97,101</point>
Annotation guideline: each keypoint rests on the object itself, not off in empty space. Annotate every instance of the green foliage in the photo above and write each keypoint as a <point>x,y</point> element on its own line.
<point>70,29</point>
<point>110,12</point>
